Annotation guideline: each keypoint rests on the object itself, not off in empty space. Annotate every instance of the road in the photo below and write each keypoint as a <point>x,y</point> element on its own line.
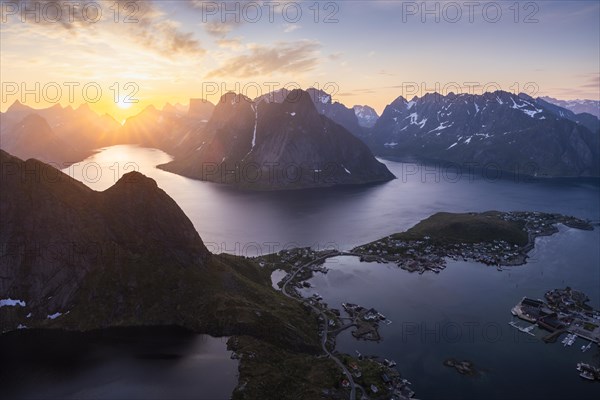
<point>324,337</point>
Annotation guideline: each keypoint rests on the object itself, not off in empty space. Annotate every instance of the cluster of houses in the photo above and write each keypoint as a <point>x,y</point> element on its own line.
<point>543,223</point>
<point>565,311</point>
<point>354,310</point>
<point>388,383</point>
<point>424,255</point>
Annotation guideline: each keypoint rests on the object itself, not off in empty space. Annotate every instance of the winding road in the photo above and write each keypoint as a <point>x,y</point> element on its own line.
<point>324,337</point>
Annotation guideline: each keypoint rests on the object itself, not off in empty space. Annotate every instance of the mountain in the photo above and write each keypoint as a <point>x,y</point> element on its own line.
<point>367,116</point>
<point>32,137</point>
<point>81,129</point>
<point>80,259</point>
<point>200,109</point>
<point>496,130</point>
<point>274,146</point>
<point>588,120</point>
<point>167,129</point>
<point>337,112</point>
<point>577,106</point>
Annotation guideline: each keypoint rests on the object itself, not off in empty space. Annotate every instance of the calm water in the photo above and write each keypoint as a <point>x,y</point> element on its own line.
<point>241,222</point>
<point>463,312</point>
<point>132,363</point>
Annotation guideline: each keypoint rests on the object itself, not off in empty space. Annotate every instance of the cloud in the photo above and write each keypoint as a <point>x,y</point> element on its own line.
<point>218,18</point>
<point>282,57</point>
<point>140,22</point>
<point>336,56</point>
<point>593,82</point>
<point>385,73</point>
<point>232,44</point>
<point>291,28</point>
<point>219,29</point>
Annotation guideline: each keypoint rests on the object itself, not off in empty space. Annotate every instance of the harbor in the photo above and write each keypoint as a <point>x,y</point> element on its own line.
<point>564,311</point>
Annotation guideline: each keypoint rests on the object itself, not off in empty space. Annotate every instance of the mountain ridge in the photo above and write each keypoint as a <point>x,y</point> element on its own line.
<point>128,256</point>
<point>272,146</point>
<point>509,132</point>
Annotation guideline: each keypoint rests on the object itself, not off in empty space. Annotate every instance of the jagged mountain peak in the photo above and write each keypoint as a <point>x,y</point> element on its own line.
<point>515,131</point>
<point>367,116</point>
<point>232,98</point>
<point>319,96</point>
<point>17,106</point>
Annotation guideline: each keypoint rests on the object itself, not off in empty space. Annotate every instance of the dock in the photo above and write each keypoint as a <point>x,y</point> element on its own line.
<point>526,330</point>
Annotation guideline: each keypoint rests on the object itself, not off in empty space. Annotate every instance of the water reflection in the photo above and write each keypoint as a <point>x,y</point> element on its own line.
<point>125,363</point>
<point>228,220</point>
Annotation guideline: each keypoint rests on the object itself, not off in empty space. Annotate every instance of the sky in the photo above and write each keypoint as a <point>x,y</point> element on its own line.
<point>121,56</point>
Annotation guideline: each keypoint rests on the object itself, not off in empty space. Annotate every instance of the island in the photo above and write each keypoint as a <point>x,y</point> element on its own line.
<point>492,238</point>
<point>464,367</point>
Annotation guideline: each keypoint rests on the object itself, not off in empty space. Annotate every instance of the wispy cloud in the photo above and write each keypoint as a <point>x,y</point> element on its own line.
<point>231,44</point>
<point>287,28</point>
<point>219,29</point>
<point>336,56</point>
<point>147,24</point>
<point>282,57</point>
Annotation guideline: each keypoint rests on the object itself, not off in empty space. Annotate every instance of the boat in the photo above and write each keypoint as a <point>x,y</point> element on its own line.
<point>585,348</point>
<point>588,372</point>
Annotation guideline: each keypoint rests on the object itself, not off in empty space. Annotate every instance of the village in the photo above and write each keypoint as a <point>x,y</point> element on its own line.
<point>377,379</point>
<point>565,312</point>
<point>415,253</point>
<point>427,253</point>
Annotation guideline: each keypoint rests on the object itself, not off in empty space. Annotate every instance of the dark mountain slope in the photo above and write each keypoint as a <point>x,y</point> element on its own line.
<point>275,146</point>
<point>128,256</point>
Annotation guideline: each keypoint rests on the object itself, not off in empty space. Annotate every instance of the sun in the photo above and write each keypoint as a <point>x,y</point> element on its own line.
<point>123,103</point>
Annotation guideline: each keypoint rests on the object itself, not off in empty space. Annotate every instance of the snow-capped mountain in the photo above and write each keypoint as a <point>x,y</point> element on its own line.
<point>273,146</point>
<point>509,132</point>
<point>367,116</point>
<point>335,111</point>
<point>586,119</point>
<point>577,106</point>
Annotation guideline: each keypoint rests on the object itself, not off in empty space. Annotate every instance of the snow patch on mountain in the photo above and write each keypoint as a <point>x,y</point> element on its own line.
<point>12,303</point>
<point>414,120</point>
